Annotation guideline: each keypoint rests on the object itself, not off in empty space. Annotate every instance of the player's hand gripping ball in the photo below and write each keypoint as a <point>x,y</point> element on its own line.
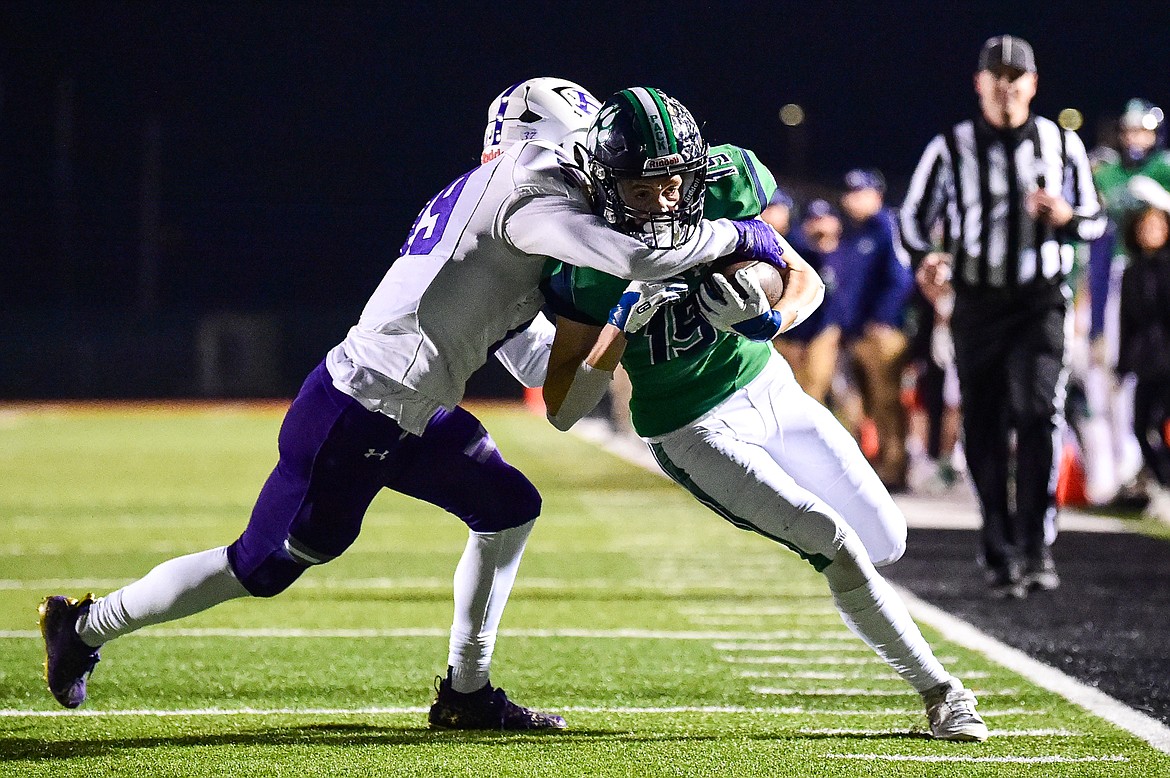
<point>737,296</point>
<point>765,275</point>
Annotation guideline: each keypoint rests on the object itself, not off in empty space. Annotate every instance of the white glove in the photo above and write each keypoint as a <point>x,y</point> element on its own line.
<point>641,301</point>
<point>942,346</point>
<point>729,310</point>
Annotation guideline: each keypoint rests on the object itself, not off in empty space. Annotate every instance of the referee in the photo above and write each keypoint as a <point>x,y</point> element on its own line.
<point>1006,195</point>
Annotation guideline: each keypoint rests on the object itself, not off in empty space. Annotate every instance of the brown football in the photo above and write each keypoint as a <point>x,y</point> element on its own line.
<point>768,276</point>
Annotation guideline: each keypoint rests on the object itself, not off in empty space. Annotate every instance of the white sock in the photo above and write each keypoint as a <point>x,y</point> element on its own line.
<point>483,581</point>
<point>877,615</point>
<point>176,588</point>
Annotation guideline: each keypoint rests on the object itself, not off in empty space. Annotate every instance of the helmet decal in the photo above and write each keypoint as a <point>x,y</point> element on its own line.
<point>651,113</point>
<point>548,109</point>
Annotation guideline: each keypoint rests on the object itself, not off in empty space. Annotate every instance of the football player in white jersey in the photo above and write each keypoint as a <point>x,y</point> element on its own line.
<point>381,411</point>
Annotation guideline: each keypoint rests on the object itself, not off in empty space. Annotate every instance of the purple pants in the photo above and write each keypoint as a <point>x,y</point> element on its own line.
<point>335,456</point>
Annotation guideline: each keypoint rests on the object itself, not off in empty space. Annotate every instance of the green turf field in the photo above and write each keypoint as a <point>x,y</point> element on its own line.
<point>674,644</point>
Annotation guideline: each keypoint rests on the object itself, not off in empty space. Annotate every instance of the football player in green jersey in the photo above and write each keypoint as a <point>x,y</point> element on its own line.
<point>721,411</point>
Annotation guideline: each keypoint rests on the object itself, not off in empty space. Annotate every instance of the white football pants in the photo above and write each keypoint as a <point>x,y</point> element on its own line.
<point>772,459</point>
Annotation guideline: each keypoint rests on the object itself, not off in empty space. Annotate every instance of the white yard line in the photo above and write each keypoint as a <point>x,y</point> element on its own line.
<point>70,585</point>
<point>741,621</point>
<point>848,643</point>
<point>864,692</point>
<point>1048,759</point>
<point>823,659</point>
<point>794,710</point>
<point>433,632</point>
<point>831,675</point>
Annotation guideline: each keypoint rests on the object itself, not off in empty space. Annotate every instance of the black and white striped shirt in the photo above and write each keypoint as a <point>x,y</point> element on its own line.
<point>981,211</point>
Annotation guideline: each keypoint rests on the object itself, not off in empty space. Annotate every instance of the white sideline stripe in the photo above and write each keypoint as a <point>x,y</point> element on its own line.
<point>792,710</point>
<point>430,632</point>
<point>1093,700</point>
<point>1052,759</point>
<point>1096,702</point>
<point>863,692</point>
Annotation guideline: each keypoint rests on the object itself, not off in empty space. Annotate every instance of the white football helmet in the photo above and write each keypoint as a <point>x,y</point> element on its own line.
<point>549,109</point>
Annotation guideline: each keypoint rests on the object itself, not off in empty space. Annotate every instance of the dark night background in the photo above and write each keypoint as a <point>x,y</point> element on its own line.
<point>161,163</point>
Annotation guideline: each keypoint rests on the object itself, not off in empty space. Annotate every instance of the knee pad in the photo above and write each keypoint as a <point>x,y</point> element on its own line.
<point>815,535</point>
<point>270,575</point>
<point>891,552</point>
<point>895,554</point>
<point>516,501</point>
<point>851,567</point>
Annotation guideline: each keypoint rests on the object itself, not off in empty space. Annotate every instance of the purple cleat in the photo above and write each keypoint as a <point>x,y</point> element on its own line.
<point>487,708</point>
<point>68,660</point>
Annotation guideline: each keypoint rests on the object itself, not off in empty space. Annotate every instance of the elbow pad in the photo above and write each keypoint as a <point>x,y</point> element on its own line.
<point>589,384</point>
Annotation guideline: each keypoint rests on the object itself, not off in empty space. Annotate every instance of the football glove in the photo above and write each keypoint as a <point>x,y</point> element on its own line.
<point>641,301</point>
<point>729,310</point>
<point>758,240</point>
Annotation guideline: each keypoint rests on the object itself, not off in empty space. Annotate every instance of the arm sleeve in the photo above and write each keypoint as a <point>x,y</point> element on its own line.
<point>588,387</point>
<point>555,226</point>
<point>1088,221</point>
<point>925,199</point>
<point>525,354</point>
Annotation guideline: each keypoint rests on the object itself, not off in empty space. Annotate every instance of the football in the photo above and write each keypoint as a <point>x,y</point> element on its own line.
<point>769,277</point>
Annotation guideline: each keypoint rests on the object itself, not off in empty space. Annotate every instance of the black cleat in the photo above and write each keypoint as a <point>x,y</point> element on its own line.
<point>487,708</point>
<point>68,660</point>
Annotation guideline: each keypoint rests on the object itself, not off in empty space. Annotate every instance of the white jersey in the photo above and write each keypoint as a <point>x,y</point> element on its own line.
<point>525,354</point>
<point>469,274</point>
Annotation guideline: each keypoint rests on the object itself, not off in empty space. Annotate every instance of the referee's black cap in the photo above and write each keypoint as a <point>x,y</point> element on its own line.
<point>1007,51</point>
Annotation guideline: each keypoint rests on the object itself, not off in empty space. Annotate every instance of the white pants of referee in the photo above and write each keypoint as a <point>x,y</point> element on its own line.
<point>775,461</point>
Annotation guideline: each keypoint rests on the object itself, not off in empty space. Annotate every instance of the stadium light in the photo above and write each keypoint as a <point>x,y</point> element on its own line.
<point>1070,119</point>
<point>792,115</point>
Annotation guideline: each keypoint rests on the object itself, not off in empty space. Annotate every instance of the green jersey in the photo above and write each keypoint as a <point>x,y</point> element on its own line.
<point>1112,181</point>
<point>679,365</point>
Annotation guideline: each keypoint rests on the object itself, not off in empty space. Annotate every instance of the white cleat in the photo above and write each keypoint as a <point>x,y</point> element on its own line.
<point>951,711</point>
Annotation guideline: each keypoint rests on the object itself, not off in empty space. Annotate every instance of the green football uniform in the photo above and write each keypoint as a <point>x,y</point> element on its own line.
<point>1112,181</point>
<point>679,365</point>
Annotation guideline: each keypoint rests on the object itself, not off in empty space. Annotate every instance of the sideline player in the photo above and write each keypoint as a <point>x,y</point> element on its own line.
<point>721,411</point>
<point>381,411</point>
